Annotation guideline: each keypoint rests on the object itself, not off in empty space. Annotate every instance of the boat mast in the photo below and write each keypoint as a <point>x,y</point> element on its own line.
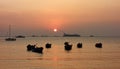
<point>9,30</point>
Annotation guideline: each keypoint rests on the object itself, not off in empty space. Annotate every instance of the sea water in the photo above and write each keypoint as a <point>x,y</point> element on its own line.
<point>14,54</point>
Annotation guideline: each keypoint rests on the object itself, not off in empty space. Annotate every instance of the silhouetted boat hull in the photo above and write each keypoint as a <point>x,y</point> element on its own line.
<point>67,46</point>
<point>71,35</point>
<point>33,48</point>
<point>20,36</point>
<point>79,45</point>
<point>38,50</point>
<point>91,35</point>
<point>98,45</point>
<point>10,39</point>
<point>48,45</point>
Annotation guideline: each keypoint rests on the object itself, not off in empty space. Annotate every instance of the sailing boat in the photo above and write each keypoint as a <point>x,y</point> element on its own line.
<point>10,38</point>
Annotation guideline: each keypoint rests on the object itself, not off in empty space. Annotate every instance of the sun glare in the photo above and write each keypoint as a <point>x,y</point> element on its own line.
<point>55,30</point>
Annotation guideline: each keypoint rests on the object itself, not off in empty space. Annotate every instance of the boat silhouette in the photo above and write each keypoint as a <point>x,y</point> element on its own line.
<point>20,36</point>
<point>67,46</point>
<point>91,35</point>
<point>71,35</point>
<point>10,38</point>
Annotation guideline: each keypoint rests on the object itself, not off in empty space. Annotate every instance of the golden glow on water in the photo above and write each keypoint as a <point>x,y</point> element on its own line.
<point>14,55</point>
<point>55,59</point>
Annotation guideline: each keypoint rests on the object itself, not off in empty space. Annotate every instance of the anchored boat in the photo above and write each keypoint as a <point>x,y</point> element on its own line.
<point>10,38</point>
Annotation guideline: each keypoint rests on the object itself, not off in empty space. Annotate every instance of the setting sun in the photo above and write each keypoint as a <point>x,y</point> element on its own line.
<point>55,30</point>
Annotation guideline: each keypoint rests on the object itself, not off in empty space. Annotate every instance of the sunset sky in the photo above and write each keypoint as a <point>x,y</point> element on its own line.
<point>40,17</point>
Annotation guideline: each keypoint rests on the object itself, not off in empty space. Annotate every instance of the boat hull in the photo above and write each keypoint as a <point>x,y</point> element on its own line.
<point>10,39</point>
<point>71,35</point>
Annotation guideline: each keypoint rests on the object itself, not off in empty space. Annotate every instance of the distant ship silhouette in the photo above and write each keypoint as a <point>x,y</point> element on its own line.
<point>20,36</point>
<point>71,35</point>
<point>91,35</point>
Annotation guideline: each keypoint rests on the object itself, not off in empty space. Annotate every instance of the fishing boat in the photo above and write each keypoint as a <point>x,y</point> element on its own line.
<point>10,38</point>
<point>67,46</point>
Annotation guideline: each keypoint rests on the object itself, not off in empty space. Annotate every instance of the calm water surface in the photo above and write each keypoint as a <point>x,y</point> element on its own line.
<point>13,55</point>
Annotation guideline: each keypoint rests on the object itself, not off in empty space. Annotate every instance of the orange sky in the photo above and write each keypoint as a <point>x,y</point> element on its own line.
<point>99,17</point>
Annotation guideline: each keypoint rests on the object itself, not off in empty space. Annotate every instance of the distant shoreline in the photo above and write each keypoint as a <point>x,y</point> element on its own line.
<point>64,36</point>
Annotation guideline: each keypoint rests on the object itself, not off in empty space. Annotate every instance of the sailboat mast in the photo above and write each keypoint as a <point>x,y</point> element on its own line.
<point>9,30</point>
<point>9,33</point>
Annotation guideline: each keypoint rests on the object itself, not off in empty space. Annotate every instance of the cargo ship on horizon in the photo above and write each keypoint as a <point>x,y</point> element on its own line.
<point>71,35</point>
